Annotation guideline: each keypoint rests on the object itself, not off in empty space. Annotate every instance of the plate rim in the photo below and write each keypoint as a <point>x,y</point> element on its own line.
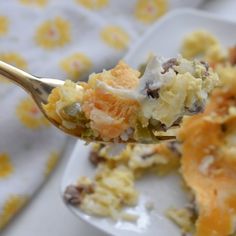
<point>172,14</point>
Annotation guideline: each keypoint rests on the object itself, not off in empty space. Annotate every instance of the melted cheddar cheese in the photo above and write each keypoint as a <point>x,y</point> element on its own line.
<point>209,163</point>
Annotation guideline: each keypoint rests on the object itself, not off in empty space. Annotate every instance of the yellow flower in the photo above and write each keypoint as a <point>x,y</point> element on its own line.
<point>30,115</point>
<point>40,3</point>
<point>51,163</point>
<point>115,37</point>
<point>6,167</point>
<point>148,11</point>
<point>76,65</point>
<point>14,59</point>
<point>13,204</point>
<point>53,33</point>
<point>93,4</point>
<point>3,25</point>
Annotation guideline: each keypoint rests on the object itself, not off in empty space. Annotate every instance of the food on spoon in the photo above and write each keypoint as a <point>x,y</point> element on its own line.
<point>118,106</point>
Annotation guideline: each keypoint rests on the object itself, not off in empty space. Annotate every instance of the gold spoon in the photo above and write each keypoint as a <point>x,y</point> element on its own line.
<point>40,88</point>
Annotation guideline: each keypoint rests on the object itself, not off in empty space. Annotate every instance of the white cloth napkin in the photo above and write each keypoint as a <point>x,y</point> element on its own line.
<point>59,39</point>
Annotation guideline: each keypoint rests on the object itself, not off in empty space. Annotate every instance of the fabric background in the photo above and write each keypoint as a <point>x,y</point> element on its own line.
<point>59,39</point>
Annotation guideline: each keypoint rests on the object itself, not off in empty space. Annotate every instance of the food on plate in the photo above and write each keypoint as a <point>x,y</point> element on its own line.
<point>208,153</point>
<point>111,189</point>
<point>204,154</point>
<point>183,218</point>
<point>113,186</point>
<point>203,45</point>
<point>118,106</point>
<point>198,43</point>
<point>208,163</point>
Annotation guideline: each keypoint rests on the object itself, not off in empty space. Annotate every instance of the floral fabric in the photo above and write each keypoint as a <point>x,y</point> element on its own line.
<point>59,39</point>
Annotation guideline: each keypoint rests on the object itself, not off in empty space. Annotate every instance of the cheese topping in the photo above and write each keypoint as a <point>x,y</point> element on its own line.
<point>211,172</point>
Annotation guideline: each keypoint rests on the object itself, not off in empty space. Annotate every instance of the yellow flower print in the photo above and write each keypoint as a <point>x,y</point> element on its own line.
<point>148,11</point>
<point>14,59</point>
<point>76,65</point>
<point>115,37</point>
<point>93,4</point>
<point>30,115</point>
<point>51,163</point>
<point>4,23</point>
<point>40,3</point>
<point>53,33</point>
<point>13,204</point>
<point>6,167</point>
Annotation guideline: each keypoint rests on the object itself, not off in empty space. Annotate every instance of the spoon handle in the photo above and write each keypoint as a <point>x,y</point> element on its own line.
<point>16,75</point>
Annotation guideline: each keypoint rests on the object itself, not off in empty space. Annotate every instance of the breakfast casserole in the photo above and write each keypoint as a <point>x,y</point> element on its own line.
<point>204,155</point>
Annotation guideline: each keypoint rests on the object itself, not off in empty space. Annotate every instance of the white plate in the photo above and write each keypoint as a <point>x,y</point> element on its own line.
<point>164,38</point>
